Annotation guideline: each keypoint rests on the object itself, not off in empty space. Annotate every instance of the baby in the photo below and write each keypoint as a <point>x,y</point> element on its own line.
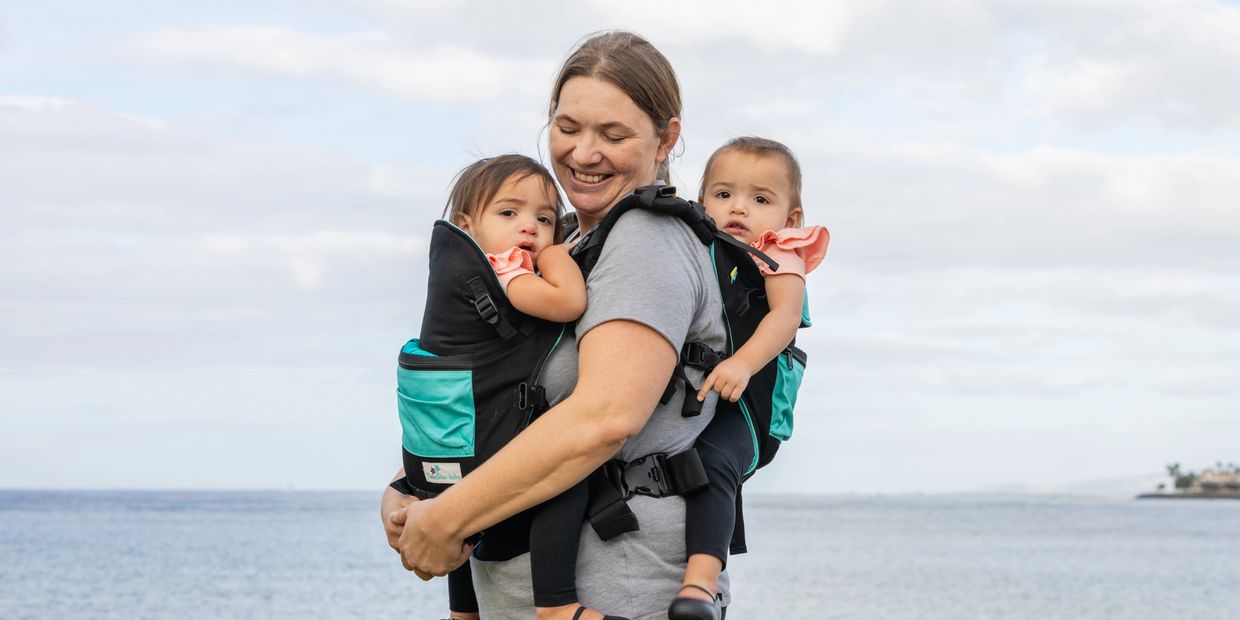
<point>752,189</point>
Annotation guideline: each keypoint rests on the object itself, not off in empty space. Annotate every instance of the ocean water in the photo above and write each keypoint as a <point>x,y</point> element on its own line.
<point>322,555</point>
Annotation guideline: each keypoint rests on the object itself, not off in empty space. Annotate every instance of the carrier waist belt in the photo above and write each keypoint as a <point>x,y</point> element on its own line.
<point>653,475</point>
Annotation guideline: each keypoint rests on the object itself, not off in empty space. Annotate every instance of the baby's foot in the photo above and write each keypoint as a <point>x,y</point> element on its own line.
<point>693,590</point>
<point>694,602</point>
<point>572,611</point>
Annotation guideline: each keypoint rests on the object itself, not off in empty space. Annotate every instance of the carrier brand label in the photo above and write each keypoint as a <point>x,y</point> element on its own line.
<point>442,472</point>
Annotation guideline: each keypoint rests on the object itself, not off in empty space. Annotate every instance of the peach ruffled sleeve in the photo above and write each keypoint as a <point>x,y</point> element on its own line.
<point>510,264</point>
<point>797,250</point>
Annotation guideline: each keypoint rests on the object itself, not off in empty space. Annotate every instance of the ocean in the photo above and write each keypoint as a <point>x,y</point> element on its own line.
<point>198,554</point>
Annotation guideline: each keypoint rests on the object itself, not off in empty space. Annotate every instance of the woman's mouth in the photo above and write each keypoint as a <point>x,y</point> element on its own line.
<point>589,178</point>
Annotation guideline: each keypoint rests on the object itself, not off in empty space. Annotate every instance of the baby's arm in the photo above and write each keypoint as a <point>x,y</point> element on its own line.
<point>785,293</point>
<point>558,294</point>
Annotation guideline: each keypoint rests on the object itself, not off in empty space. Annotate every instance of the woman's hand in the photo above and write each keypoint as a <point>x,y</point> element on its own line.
<point>392,502</point>
<point>425,549</point>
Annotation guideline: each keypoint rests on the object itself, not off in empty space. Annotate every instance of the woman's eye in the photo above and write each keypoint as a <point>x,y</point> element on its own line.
<point>568,131</point>
<point>615,139</point>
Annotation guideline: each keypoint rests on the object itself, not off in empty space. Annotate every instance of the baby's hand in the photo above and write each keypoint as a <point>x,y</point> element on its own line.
<point>729,378</point>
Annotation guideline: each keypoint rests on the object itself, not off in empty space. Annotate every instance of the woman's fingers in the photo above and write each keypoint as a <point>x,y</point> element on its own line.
<point>393,502</point>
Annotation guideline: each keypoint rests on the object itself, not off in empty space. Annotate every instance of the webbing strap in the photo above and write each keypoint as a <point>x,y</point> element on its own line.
<point>755,252</point>
<point>402,485</point>
<point>653,475</point>
<point>487,310</point>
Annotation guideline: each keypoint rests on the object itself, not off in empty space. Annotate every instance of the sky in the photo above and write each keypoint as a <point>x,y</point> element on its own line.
<point>216,216</point>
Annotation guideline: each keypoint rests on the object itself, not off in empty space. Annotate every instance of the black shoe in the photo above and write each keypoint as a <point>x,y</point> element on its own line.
<point>685,608</point>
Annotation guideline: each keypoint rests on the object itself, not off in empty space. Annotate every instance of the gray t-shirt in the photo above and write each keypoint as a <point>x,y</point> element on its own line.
<point>653,271</point>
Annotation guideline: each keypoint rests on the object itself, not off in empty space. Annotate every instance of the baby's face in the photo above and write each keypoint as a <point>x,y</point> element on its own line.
<point>522,214</point>
<point>748,194</point>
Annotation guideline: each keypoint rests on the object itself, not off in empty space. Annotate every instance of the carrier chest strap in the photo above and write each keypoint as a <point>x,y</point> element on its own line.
<point>653,475</point>
<point>488,311</point>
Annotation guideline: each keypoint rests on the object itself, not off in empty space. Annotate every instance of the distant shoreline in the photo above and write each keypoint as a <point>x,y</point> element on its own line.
<point>1187,496</point>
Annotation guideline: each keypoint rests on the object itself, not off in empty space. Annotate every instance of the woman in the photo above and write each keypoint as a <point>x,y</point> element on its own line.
<point>614,118</point>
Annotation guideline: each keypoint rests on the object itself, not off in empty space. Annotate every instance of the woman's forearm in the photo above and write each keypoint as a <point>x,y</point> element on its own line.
<point>611,403</point>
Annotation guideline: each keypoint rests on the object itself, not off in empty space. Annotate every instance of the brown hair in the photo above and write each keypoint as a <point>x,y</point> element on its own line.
<point>633,65</point>
<point>476,184</point>
<point>761,147</point>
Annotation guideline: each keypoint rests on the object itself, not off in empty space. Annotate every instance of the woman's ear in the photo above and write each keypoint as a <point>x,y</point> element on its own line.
<point>668,139</point>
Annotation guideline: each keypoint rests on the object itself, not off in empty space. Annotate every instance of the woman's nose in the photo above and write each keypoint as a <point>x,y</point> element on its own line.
<point>586,151</point>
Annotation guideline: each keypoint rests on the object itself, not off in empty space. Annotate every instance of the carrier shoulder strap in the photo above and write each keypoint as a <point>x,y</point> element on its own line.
<point>660,199</point>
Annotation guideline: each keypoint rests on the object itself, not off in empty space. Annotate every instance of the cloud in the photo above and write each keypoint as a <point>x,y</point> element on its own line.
<point>1100,62</point>
<point>150,241</point>
<point>374,60</point>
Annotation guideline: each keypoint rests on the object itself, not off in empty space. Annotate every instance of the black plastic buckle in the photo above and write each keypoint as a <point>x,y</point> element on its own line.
<point>694,354</point>
<point>647,476</point>
<point>486,309</point>
<point>700,356</point>
<point>523,396</point>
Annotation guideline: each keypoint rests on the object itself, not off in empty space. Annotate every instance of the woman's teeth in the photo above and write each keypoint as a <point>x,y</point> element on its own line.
<point>587,178</point>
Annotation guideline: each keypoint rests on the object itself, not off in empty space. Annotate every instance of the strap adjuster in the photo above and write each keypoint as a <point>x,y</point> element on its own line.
<point>486,308</point>
<point>699,355</point>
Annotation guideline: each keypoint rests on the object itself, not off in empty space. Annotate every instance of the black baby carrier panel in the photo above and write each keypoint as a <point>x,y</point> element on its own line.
<point>469,383</point>
<point>768,400</point>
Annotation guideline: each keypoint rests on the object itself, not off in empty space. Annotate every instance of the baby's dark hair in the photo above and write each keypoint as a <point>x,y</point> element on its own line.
<point>476,184</point>
<point>762,147</point>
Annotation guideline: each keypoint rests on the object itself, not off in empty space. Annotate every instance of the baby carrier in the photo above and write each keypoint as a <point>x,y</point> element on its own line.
<point>470,382</point>
<point>769,398</point>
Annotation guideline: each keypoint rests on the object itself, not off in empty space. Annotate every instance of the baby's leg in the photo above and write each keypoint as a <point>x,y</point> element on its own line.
<point>726,448</point>
<point>555,534</point>
<point>461,599</point>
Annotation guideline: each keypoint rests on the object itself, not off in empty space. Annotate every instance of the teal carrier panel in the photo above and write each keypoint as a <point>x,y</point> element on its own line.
<point>469,383</point>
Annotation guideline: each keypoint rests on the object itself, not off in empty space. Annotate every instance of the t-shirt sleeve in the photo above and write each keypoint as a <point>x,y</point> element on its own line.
<point>797,250</point>
<point>510,264</point>
<point>646,274</point>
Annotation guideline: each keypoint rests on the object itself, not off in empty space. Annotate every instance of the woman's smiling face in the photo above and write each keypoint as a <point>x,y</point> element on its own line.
<point>603,146</point>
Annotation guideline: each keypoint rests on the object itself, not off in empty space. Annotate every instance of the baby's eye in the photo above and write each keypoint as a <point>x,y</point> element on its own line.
<point>760,199</point>
<point>542,219</point>
<point>508,212</point>
<point>723,194</point>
